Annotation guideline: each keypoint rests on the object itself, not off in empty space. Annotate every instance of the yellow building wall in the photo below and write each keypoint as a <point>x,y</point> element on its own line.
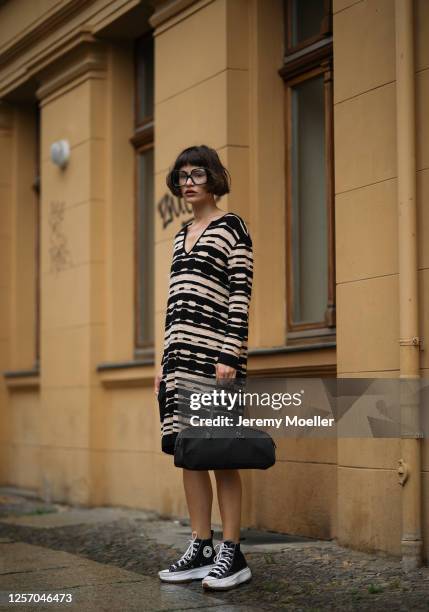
<point>19,427</point>
<point>369,495</point>
<point>92,437</point>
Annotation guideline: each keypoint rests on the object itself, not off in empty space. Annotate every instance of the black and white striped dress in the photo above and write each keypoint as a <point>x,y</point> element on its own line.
<point>207,311</point>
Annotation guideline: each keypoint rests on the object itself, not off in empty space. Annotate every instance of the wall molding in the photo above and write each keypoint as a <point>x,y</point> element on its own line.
<point>169,13</point>
<point>39,45</point>
<point>88,58</point>
<point>43,28</point>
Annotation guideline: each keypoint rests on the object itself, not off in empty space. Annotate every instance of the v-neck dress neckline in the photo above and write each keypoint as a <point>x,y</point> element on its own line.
<point>185,233</point>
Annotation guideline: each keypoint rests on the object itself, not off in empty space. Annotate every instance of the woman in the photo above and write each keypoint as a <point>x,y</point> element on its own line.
<point>206,331</point>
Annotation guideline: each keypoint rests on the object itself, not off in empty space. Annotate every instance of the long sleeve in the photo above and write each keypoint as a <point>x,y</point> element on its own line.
<point>240,277</point>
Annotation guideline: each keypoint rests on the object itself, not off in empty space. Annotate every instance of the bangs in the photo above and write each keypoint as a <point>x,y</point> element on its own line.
<point>191,156</point>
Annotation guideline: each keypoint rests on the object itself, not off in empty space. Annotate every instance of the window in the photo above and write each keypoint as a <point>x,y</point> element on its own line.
<point>310,240</point>
<point>144,195</point>
<point>306,22</point>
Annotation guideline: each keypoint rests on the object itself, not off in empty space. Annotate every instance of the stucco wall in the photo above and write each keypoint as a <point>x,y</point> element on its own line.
<point>88,436</point>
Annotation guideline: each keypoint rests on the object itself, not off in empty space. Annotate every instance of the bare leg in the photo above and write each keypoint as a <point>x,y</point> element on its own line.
<point>199,497</point>
<point>228,483</point>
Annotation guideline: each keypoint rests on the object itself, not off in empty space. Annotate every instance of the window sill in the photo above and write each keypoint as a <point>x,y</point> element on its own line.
<point>313,337</point>
<point>134,373</point>
<point>304,360</point>
<point>22,379</point>
<point>275,350</point>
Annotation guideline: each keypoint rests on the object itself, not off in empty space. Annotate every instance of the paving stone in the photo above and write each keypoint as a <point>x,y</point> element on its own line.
<point>93,586</point>
<point>74,517</point>
<point>289,573</point>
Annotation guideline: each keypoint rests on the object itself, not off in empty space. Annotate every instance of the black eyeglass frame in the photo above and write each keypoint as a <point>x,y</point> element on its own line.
<point>177,172</point>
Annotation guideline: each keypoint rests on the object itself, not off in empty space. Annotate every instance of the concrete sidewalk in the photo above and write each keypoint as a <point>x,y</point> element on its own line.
<point>87,585</point>
<point>108,559</point>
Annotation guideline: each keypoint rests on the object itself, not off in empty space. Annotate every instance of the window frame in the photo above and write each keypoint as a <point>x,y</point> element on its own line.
<point>142,140</point>
<point>313,58</point>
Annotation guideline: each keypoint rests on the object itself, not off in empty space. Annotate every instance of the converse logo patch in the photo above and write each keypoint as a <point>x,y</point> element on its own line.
<point>207,551</point>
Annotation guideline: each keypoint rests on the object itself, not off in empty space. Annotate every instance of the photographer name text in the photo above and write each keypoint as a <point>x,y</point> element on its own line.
<point>287,421</point>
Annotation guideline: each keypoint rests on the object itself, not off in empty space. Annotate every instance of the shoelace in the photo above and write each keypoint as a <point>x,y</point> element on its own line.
<point>223,559</point>
<point>188,554</point>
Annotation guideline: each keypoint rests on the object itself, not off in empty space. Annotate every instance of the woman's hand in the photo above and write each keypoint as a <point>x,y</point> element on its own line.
<point>224,371</point>
<point>157,381</point>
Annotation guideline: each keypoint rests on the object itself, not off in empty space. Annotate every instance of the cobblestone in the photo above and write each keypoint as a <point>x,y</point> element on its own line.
<point>308,575</point>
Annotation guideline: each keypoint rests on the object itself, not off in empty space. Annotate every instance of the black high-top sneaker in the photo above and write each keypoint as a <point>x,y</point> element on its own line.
<point>230,570</point>
<point>195,563</point>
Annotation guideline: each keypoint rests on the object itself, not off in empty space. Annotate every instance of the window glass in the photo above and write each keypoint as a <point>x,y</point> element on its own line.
<point>307,17</point>
<point>309,207</point>
<point>145,196</point>
<point>145,79</point>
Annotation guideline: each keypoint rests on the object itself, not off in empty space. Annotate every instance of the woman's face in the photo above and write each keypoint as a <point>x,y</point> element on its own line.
<point>193,189</point>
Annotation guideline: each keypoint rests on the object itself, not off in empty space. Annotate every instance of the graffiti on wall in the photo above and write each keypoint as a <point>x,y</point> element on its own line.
<point>170,209</point>
<point>60,257</point>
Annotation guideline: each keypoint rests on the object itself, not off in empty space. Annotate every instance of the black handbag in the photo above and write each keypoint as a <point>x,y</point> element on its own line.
<point>224,447</point>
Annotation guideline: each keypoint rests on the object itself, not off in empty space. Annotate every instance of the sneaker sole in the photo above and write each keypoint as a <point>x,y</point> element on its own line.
<point>224,584</point>
<point>187,575</point>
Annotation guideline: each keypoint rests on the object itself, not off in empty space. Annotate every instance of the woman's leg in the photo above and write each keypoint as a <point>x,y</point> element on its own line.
<point>199,557</point>
<point>199,497</point>
<point>228,484</point>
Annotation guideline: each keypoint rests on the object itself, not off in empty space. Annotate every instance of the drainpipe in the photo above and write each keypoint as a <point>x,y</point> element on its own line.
<point>409,470</point>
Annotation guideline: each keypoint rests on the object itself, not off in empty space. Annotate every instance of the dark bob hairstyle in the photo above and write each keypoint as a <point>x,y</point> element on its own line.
<point>218,177</point>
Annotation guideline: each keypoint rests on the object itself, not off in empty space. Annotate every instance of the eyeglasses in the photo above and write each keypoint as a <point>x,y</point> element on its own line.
<point>198,176</point>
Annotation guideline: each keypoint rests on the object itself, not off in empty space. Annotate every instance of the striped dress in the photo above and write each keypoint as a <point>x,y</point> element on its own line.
<point>207,312</point>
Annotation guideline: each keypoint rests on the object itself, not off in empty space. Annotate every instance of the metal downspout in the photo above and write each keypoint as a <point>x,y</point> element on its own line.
<point>409,470</point>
